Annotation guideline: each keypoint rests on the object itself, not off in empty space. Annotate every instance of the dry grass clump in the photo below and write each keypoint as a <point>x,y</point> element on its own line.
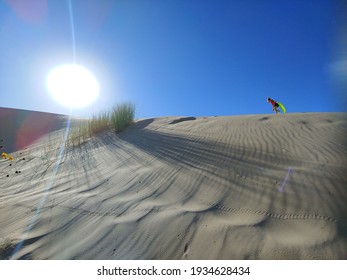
<point>119,118</point>
<point>78,135</point>
<point>99,124</point>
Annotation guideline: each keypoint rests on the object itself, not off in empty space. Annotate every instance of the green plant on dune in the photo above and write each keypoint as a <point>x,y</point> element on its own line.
<point>87,129</point>
<point>119,118</point>
<point>122,116</point>
<point>99,123</point>
<point>77,136</point>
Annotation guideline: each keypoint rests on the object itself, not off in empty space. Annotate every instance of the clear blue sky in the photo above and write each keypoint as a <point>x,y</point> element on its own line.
<point>179,57</point>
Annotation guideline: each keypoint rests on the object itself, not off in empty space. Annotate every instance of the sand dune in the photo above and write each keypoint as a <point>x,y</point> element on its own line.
<point>21,128</point>
<point>240,187</point>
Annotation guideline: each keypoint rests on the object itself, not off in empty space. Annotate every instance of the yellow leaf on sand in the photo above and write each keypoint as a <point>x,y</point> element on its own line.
<point>6,156</point>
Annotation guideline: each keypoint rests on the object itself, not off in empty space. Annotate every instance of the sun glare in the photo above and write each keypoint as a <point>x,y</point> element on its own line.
<point>72,86</point>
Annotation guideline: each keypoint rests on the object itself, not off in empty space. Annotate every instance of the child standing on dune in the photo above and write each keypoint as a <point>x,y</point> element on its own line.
<point>274,105</point>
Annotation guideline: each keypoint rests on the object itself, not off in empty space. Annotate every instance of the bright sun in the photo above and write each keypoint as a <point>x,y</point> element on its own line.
<point>72,85</point>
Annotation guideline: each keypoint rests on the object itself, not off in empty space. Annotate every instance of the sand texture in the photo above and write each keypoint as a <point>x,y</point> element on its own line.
<point>239,187</point>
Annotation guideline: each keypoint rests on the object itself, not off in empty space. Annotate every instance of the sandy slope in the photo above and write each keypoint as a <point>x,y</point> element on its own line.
<point>185,188</point>
<point>20,128</point>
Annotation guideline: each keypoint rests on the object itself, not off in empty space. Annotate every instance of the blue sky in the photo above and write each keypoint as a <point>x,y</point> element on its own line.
<point>178,57</point>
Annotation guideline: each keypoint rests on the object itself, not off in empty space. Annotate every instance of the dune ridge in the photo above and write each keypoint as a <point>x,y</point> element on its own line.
<point>185,188</point>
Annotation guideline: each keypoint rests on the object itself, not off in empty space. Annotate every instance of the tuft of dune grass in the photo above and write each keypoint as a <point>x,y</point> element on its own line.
<point>122,116</point>
<point>99,123</point>
<point>119,118</point>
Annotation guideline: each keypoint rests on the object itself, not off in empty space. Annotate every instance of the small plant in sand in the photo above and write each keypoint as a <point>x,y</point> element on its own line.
<point>122,116</point>
<point>99,123</point>
<point>83,131</point>
<point>6,248</point>
<point>78,135</point>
